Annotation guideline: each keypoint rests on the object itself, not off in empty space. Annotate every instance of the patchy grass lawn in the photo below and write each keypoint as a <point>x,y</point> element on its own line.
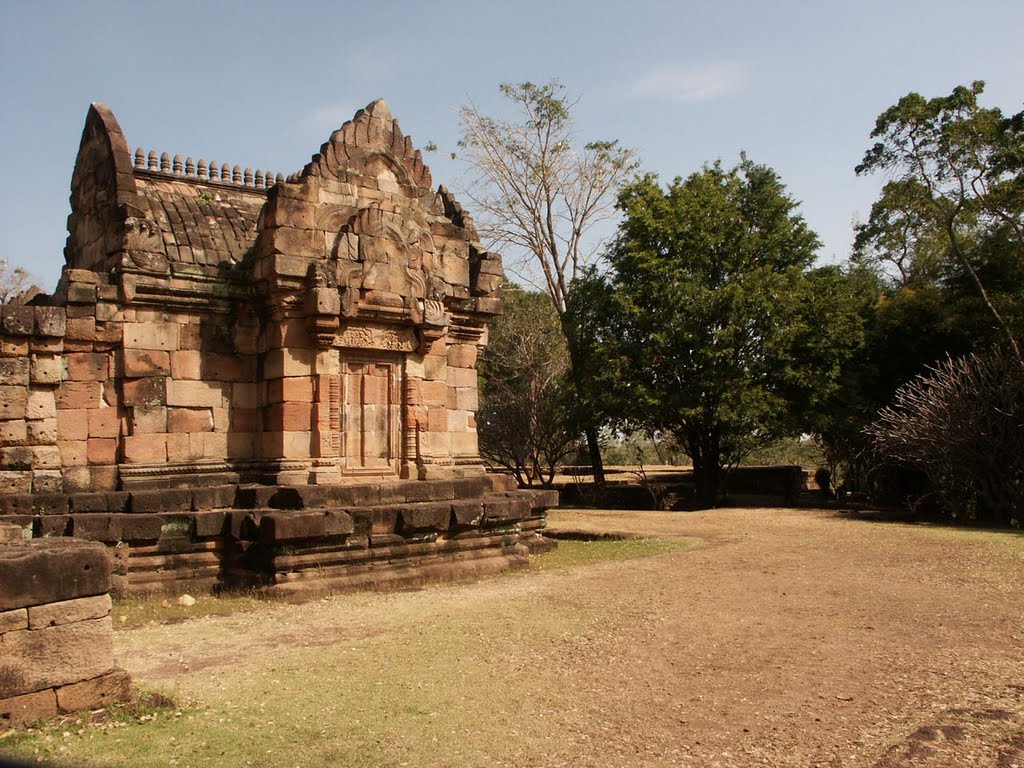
<point>787,638</point>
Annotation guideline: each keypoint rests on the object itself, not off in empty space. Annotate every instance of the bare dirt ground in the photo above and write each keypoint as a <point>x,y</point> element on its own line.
<point>786,638</point>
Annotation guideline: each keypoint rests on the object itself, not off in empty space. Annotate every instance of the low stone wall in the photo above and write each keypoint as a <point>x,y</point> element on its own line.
<point>56,637</point>
<point>288,538</point>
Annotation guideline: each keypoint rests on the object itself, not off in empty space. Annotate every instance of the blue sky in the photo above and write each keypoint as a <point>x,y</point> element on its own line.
<point>797,85</point>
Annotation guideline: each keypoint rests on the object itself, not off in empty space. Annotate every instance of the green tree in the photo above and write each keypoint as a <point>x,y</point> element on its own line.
<point>956,190</point>
<point>538,196</point>
<point>722,332</point>
<point>525,419</point>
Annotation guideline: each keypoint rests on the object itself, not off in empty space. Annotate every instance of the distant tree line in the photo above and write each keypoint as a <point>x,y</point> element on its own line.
<point>708,324</point>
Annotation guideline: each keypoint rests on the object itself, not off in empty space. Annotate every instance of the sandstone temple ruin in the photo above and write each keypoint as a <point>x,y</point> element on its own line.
<point>246,379</point>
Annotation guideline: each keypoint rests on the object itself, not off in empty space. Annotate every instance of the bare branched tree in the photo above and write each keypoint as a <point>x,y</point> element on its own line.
<point>538,195</point>
<point>14,282</point>
<point>524,421</point>
<point>963,424</point>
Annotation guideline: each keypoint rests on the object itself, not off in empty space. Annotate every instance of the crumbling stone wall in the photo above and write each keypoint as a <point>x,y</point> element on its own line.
<point>56,638</point>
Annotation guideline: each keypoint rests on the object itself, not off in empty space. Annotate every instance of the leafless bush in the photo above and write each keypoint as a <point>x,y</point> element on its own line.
<point>962,423</point>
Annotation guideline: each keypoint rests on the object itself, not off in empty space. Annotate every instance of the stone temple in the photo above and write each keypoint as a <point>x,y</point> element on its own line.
<point>245,379</point>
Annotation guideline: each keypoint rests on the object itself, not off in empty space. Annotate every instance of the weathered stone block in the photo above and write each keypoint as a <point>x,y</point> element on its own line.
<point>29,707</point>
<point>47,570</point>
<point>289,417</point>
<point>16,457</point>
<point>104,422</point>
<point>195,394</point>
<point>186,365</point>
<point>54,656</point>
<point>147,419</point>
<point>215,497</point>
<point>165,500</point>
<point>15,481</point>
<point>41,431</point>
<point>13,402</point>
<point>49,504</point>
<point>189,420</point>
<point>288,362</point>
<point>87,366</point>
<point>14,432</point>
<point>77,478</point>
<point>13,371</point>
<point>68,611</point>
<point>139,363</point>
<point>45,457</point>
<point>184,447</point>
<point>151,335</point>
<point>461,377</point>
<point>96,693</point>
<point>47,369</point>
<point>80,329</point>
<point>214,445</point>
<point>467,513</point>
<point>47,481</point>
<point>51,525</point>
<point>101,450</point>
<point>50,321</point>
<point>418,518</point>
<point>16,320</point>
<point>12,620</point>
<point>290,389</point>
<point>288,526</point>
<point>79,394</point>
<point>147,391</point>
<point>72,424</point>
<point>462,356</point>
<point>41,404</point>
<point>145,449</point>
<point>464,443</point>
<point>73,453</point>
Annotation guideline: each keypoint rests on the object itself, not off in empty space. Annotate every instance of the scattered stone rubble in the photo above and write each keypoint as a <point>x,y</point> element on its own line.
<point>245,379</point>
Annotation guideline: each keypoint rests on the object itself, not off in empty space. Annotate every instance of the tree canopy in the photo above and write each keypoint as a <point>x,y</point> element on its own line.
<point>722,332</point>
<point>956,194</point>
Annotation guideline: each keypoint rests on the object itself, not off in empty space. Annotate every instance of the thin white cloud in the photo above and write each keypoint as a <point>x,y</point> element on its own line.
<point>691,82</point>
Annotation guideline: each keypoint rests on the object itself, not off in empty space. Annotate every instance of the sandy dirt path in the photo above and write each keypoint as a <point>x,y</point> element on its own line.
<point>786,638</point>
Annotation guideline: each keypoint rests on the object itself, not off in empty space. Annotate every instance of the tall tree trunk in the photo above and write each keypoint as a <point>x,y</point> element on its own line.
<point>705,453</point>
<point>576,374</point>
<point>594,449</point>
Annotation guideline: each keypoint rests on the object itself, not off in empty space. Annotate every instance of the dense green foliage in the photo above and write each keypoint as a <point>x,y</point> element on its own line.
<point>713,329</point>
<point>938,270</point>
<point>713,325</point>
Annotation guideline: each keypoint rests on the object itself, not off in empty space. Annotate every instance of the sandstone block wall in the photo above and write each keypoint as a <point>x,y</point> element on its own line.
<point>56,638</point>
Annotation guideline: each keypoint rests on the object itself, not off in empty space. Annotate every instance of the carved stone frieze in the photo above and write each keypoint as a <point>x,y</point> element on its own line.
<point>391,339</point>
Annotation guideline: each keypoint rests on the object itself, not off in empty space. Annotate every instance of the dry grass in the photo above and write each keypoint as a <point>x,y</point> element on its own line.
<point>786,639</point>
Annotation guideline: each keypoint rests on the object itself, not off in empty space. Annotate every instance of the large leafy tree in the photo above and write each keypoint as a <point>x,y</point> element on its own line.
<point>540,196</point>
<point>723,333</point>
<point>953,209</point>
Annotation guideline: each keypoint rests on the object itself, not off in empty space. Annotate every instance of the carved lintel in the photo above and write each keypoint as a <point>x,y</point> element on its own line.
<point>391,339</point>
